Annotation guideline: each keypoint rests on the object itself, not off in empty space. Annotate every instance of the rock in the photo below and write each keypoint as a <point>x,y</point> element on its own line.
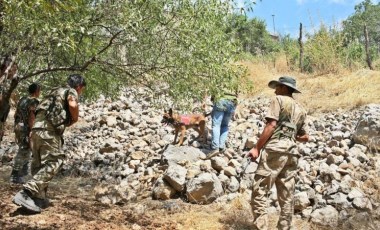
<point>301,201</point>
<point>110,146</point>
<point>355,193</point>
<point>111,121</point>
<point>338,151</point>
<point>193,171</point>
<point>138,155</point>
<point>303,165</point>
<point>224,180</point>
<point>174,154</point>
<point>162,190</point>
<point>110,194</point>
<point>346,184</point>
<point>234,185</point>
<point>203,189</point>
<point>337,135</point>
<point>339,200</point>
<point>229,171</point>
<point>218,163</point>
<point>362,203</point>
<point>332,159</point>
<point>250,143</point>
<point>332,188</point>
<point>327,216</point>
<point>234,163</point>
<point>367,131</point>
<point>175,175</point>
<point>361,220</point>
<point>329,173</point>
<point>353,161</point>
<point>307,212</point>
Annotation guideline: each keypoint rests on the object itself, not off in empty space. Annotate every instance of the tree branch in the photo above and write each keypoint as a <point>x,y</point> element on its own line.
<point>75,68</point>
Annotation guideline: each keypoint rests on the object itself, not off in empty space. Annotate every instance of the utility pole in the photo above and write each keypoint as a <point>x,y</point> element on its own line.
<point>301,49</point>
<point>274,28</point>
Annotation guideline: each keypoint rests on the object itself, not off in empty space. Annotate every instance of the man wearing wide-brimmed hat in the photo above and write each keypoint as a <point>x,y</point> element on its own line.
<point>279,156</point>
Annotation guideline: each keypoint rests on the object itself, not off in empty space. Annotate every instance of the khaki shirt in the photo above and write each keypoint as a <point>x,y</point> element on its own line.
<point>285,109</point>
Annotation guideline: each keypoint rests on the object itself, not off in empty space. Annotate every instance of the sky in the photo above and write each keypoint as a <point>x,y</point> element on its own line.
<point>288,14</point>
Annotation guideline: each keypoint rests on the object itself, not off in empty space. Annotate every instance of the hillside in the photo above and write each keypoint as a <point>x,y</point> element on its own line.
<point>118,144</point>
<point>346,90</point>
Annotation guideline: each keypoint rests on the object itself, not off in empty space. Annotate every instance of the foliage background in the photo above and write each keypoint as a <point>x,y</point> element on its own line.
<point>176,47</point>
<point>181,48</point>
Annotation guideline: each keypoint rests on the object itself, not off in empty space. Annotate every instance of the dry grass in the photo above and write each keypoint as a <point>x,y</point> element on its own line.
<point>234,215</point>
<point>320,93</point>
<point>199,217</point>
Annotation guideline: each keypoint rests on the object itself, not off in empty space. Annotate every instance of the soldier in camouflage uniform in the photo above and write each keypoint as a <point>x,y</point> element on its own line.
<point>8,79</point>
<point>56,112</point>
<point>24,119</point>
<point>279,156</point>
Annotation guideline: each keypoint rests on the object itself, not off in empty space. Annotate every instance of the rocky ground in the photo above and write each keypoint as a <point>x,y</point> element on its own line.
<point>122,172</point>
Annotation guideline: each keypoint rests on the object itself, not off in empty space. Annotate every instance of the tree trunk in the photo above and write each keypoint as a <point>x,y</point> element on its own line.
<point>368,59</point>
<point>6,92</point>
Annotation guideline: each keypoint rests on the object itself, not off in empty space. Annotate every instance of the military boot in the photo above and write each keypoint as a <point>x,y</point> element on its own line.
<point>16,178</point>
<point>42,203</point>
<point>25,170</point>
<point>24,198</point>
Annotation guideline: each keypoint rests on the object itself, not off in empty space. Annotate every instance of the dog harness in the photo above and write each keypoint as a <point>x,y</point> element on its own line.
<point>185,119</point>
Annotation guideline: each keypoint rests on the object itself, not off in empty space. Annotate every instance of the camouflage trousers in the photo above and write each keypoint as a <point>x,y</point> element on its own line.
<point>23,155</point>
<point>274,169</point>
<point>47,159</point>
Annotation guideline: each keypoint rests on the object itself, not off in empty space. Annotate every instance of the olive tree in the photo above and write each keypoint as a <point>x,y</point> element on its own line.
<point>179,44</point>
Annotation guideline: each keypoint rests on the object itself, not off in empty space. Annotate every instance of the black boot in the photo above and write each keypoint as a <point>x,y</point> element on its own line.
<point>24,171</point>
<point>24,198</point>
<point>15,177</point>
<point>42,203</point>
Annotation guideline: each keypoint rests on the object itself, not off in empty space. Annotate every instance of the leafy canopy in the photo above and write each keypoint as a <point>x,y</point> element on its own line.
<point>181,46</point>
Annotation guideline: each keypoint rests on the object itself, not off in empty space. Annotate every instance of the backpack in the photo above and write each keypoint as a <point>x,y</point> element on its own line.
<point>22,111</point>
<point>56,108</point>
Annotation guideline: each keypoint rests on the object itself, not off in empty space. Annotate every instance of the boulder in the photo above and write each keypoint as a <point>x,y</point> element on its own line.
<point>367,131</point>
<point>175,154</point>
<point>110,194</point>
<point>204,189</point>
<point>327,216</point>
<point>175,175</point>
<point>162,190</point>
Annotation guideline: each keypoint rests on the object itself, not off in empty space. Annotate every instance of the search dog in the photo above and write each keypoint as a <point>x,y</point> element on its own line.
<point>184,122</point>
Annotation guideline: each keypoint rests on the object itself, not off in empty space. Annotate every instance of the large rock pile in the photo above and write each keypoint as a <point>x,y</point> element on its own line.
<point>123,143</point>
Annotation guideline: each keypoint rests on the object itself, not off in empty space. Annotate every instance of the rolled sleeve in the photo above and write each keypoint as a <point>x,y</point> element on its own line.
<point>73,94</point>
<point>273,110</point>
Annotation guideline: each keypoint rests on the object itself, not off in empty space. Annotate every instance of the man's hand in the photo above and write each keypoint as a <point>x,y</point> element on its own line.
<point>254,154</point>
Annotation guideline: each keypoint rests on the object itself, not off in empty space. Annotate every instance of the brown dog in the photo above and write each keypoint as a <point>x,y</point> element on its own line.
<point>183,122</point>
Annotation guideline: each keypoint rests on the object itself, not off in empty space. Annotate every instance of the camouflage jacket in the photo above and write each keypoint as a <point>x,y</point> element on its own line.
<point>53,113</point>
<point>25,106</point>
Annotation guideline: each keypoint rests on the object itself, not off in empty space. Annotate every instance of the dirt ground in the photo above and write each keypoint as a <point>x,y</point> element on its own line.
<point>73,207</point>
